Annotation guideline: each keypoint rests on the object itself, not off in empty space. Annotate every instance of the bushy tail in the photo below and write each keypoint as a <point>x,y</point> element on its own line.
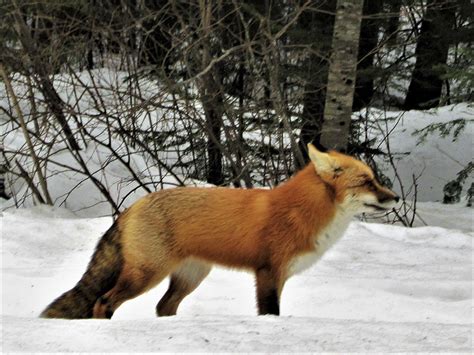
<point>101,275</point>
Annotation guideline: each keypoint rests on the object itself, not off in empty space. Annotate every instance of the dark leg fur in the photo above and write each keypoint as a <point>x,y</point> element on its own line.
<point>270,304</point>
<point>168,305</point>
<point>268,291</point>
<point>101,275</point>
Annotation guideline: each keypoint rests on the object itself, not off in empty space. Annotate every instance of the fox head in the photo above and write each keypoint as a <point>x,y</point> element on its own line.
<point>352,181</point>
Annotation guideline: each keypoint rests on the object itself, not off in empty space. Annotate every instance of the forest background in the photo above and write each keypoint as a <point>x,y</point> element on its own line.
<point>129,96</point>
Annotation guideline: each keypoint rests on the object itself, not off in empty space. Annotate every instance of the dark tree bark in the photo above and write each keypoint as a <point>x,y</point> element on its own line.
<point>157,40</point>
<point>320,25</point>
<point>431,54</point>
<point>214,127</point>
<point>364,86</point>
<point>212,99</point>
<point>90,59</point>
<point>90,51</point>
<point>391,29</point>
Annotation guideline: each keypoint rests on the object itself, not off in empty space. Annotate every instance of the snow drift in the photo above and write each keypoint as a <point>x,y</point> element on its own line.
<point>381,288</point>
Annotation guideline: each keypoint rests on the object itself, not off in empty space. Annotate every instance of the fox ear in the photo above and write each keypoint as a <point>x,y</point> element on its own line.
<point>323,162</point>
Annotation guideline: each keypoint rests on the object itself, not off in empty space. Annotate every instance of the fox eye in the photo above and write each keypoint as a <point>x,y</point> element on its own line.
<point>338,171</point>
<point>370,184</point>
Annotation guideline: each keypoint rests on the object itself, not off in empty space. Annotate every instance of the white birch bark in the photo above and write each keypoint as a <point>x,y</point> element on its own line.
<point>342,74</point>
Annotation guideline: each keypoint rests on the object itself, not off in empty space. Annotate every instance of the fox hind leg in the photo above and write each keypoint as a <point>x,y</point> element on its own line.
<point>184,280</point>
<point>132,282</point>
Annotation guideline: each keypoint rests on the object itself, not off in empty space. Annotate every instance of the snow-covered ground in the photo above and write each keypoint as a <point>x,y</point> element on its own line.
<point>380,289</point>
<point>433,161</point>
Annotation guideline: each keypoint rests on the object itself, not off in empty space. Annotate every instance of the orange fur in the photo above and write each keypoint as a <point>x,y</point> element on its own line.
<point>233,227</point>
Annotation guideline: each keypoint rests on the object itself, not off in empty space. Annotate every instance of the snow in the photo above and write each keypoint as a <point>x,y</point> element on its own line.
<point>448,216</point>
<point>434,161</point>
<point>240,334</point>
<point>380,289</point>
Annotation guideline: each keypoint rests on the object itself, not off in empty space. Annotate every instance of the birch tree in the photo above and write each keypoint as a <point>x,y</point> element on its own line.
<point>342,74</point>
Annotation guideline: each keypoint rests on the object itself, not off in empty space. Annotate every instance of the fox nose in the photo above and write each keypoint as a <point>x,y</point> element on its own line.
<point>387,198</point>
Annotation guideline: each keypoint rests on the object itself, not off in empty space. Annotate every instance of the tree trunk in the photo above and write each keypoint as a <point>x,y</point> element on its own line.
<point>156,41</point>
<point>431,54</point>
<point>342,75</point>
<point>212,100</point>
<point>214,154</point>
<point>321,26</point>
<point>364,86</point>
<point>393,23</point>
<point>90,59</point>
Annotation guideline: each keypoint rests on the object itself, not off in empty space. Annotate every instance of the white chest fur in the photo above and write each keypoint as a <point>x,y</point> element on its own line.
<point>322,242</point>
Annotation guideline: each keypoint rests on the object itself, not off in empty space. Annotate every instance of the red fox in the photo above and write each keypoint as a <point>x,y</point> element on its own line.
<point>181,232</point>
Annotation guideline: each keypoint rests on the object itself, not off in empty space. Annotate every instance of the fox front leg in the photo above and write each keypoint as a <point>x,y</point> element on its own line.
<point>268,291</point>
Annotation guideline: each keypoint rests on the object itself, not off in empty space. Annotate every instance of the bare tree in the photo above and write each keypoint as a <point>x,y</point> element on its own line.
<point>431,54</point>
<point>37,165</point>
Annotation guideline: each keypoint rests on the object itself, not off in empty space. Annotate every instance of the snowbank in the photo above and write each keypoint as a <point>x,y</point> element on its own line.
<point>435,160</point>
<point>380,289</point>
